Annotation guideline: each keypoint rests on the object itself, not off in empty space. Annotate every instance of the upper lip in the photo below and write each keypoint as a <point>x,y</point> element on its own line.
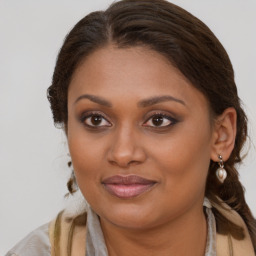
<point>127,180</point>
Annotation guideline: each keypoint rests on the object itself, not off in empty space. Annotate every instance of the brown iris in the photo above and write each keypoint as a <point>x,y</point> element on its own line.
<point>157,120</point>
<point>96,119</point>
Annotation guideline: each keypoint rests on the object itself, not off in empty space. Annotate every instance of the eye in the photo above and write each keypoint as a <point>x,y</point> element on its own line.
<point>95,120</point>
<point>160,120</point>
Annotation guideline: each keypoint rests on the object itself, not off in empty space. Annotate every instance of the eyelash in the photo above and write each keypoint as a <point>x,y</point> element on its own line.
<point>91,114</point>
<point>165,116</point>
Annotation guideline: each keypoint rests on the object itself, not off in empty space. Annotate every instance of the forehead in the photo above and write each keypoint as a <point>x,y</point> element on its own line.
<point>133,73</point>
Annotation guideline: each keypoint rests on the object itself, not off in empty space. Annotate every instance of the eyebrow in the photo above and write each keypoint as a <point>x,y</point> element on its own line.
<point>158,99</point>
<point>95,99</point>
<point>143,103</point>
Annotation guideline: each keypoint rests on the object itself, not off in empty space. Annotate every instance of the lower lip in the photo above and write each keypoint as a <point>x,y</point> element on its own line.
<point>128,191</point>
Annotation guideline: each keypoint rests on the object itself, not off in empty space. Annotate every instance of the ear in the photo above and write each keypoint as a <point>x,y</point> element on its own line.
<point>224,135</point>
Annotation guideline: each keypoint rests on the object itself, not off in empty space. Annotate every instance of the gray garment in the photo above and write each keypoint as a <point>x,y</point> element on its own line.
<point>37,242</point>
<point>211,247</point>
<point>95,243</point>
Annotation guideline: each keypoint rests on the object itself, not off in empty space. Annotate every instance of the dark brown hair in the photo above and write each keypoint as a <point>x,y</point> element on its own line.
<point>190,46</point>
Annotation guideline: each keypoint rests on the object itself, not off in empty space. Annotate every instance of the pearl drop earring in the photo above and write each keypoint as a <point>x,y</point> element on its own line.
<point>221,173</point>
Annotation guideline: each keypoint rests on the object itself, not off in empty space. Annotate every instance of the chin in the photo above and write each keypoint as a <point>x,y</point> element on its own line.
<point>129,216</point>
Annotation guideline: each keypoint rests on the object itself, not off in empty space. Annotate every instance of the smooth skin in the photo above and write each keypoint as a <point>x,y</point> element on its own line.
<point>131,112</point>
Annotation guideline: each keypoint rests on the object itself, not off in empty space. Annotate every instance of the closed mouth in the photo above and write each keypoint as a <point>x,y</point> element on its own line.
<point>126,187</point>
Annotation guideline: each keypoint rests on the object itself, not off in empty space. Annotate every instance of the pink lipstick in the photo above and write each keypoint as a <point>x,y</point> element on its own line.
<point>126,187</point>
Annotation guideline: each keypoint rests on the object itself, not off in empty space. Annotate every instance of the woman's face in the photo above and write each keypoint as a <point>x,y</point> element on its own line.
<point>140,137</point>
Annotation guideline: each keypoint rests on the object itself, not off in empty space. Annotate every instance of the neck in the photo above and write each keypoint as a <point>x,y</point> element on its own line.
<point>185,236</point>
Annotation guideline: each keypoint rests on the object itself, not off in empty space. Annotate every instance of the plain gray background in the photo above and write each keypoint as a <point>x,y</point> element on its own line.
<point>33,153</point>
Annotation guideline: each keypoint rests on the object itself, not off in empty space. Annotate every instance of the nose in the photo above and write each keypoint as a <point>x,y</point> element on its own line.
<point>126,148</point>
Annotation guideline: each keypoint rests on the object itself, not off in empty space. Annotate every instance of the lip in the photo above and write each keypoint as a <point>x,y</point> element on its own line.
<point>126,187</point>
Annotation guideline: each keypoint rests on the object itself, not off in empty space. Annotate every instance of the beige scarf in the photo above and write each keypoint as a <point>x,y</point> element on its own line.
<point>68,236</point>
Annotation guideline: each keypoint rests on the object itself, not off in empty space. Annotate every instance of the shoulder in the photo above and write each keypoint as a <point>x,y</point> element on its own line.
<point>68,227</point>
<point>68,234</point>
<point>35,243</point>
<point>240,244</point>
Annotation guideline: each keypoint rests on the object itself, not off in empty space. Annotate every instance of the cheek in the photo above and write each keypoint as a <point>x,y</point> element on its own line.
<point>86,164</point>
<point>87,154</point>
<point>84,147</point>
<point>184,160</point>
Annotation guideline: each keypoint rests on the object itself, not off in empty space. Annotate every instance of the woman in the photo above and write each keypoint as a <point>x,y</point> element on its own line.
<point>146,95</point>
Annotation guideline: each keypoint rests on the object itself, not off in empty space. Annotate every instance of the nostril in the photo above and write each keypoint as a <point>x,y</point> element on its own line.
<point>133,162</point>
<point>113,162</point>
<point>124,164</point>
